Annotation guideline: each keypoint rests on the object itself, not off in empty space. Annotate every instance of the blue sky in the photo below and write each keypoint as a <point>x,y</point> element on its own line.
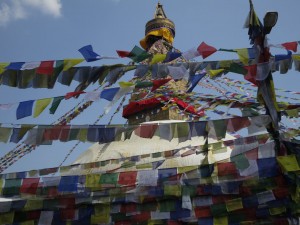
<point>36,30</point>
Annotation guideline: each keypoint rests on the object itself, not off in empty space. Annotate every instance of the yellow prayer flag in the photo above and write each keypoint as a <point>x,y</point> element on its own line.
<point>296,57</point>
<point>40,105</point>
<point>243,55</point>
<point>7,218</point>
<point>82,135</point>
<point>30,222</point>
<point>174,190</point>
<point>225,63</point>
<point>186,169</point>
<point>33,204</point>
<point>125,84</point>
<point>221,220</point>
<point>68,63</point>
<point>158,58</point>
<point>277,210</point>
<point>102,214</point>
<point>93,181</point>
<point>2,67</point>
<point>289,163</point>
<point>214,73</point>
<point>234,204</point>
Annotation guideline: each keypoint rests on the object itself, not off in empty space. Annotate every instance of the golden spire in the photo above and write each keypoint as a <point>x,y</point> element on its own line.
<point>160,26</point>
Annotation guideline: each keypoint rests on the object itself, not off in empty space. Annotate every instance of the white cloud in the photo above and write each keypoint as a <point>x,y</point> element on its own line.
<point>21,9</point>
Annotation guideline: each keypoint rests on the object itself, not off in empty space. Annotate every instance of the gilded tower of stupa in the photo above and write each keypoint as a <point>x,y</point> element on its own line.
<point>159,37</point>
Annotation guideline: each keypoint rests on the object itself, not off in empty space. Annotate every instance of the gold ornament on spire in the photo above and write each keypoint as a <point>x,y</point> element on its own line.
<point>159,27</point>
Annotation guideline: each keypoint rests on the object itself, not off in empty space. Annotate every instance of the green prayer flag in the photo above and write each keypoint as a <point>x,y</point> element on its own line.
<point>137,54</point>
<point>218,209</point>
<point>55,103</point>
<point>236,68</point>
<point>12,187</point>
<point>24,129</point>
<point>240,161</point>
<point>109,178</point>
<point>167,205</point>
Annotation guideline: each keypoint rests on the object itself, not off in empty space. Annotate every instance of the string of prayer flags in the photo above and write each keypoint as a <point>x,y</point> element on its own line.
<point>88,53</point>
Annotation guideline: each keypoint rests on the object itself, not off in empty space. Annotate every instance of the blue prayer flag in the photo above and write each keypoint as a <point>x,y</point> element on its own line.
<point>171,56</point>
<point>88,53</point>
<point>194,80</point>
<point>15,66</point>
<point>24,109</point>
<point>109,93</point>
<point>267,167</point>
<point>68,184</point>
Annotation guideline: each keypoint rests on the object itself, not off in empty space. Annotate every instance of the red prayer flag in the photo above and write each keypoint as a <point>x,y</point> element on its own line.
<point>123,54</point>
<point>251,75</point>
<point>158,83</point>
<point>227,169</point>
<point>127,178</point>
<point>67,214</point>
<point>29,185</point>
<point>46,67</point>
<point>73,94</point>
<point>146,131</point>
<point>202,211</point>
<point>290,46</point>
<point>206,50</point>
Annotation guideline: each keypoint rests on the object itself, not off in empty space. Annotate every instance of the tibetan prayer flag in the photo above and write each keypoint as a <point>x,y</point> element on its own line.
<point>55,103</point>
<point>11,187</point>
<point>251,75</point>
<point>291,46</point>
<point>46,67</point>
<point>5,133</point>
<point>15,135</point>
<point>289,163</point>
<point>215,73</point>
<point>222,220</point>
<point>109,178</point>
<point>194,80</point>
<point>137,54</point>
<point>3,67</point>
<point>30,65</point>
<point>69,63</point>
<point>267,167</point>
<point>24,109</point>
<point>46,217</point>
<point>68,184</point>
<point>15,66</point>
<point>234,204</point>
<point>40,106</point>
<point>74,94</point>
<point>177,72</point>
<point>172,56</point>
<point>29,186</point>
<point>206,50</point>
<point>109,93</point>
<point>158,83</point>
<point>157,58</point>
<point>7,218</point>
<point>283,57</point>
<point>191,53</point>
<point>88,53</point>
<point>123,54</point>
<point>127,178</point>
<point>93,181</point>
